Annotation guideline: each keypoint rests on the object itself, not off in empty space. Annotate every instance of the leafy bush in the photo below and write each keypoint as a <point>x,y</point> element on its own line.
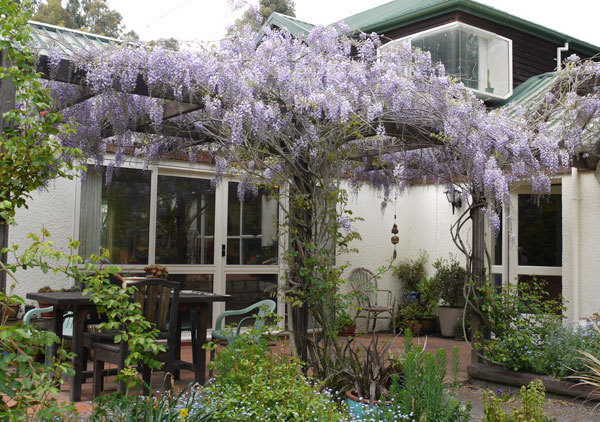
<point>533,397</point>
<point>522,318</point>
<point>252,383</point>
<point>421,392</point>
<point>412,271</point>
<point>449,281</point>
<point>182,406</point>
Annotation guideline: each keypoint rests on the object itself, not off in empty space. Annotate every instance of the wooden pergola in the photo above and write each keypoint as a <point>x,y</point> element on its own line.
<point>65,71</point>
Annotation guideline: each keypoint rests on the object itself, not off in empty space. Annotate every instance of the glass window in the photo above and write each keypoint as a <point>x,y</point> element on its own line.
<point>246,290</point>
<point>480,59</point>
<point>540,231</point>
<point>185,221</point>
<point>115,215</point>
<point>251,229</point>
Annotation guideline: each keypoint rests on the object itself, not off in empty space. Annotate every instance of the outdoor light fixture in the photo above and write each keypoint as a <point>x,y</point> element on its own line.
<point>454,197</point>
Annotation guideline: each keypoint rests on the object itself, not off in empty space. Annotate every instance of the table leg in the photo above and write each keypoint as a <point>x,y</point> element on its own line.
<point>57,327</point>
<point>198,353</point>
<point>76,380</point>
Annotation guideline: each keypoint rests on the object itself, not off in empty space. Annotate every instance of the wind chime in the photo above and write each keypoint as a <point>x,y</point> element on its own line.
<point>395,238</point>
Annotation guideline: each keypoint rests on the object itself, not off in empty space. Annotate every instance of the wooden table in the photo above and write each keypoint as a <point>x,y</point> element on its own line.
<point>81,305</point>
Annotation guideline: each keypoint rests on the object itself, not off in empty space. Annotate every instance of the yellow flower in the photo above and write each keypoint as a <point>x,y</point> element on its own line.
<point>183,413</point>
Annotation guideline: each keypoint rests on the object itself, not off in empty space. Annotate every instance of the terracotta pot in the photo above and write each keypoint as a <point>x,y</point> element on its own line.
<point>415,327</point>
<point>449,317</point>
<point>348,330</point>
<point>46,314</point>
<point>11,311</point>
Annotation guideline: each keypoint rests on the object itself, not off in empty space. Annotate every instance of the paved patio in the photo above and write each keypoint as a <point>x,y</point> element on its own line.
<point>432,344</point>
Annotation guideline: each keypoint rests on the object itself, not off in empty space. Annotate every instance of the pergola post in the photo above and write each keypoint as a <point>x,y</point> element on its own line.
<point>7,103</point>
<point>477,272</point>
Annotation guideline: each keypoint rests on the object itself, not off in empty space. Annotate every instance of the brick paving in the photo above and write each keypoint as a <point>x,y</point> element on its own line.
<point>431,343</point>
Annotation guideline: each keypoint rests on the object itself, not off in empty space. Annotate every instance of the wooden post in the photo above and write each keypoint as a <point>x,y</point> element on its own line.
<point>477,271</point>
<point>7,103</point>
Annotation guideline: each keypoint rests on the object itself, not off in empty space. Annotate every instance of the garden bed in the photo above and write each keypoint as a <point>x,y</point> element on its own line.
<point>553,385</point>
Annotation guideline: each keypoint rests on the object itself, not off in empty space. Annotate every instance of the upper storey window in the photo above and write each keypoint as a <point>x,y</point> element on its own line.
<point>481,60</point>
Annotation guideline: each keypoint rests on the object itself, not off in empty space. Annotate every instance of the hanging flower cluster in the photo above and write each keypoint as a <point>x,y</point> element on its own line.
<point>312,110</point>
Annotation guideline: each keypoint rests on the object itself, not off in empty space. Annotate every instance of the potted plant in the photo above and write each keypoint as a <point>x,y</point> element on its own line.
<point>411,273</point>
<point>45,289</point>
<point>345,324</point>
<point>10,310</point>
<point>367,370</point>
<point>156,271</point>
<point>448,282</point>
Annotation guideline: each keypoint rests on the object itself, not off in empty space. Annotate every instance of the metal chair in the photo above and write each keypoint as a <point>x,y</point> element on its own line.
<point>372,300</point>
<point>155,296</point>
<point>264,307</point>
<point>67,326</point>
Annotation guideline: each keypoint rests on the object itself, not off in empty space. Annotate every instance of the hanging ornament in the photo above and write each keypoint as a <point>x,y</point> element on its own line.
<point>395,238</point>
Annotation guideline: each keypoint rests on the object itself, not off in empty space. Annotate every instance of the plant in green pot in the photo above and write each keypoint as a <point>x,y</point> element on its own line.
<point>448,283</point>
<point>410,273</point>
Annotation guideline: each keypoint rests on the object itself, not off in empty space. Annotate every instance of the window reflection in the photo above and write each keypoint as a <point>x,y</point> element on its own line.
<point>540,231</point>
<point>185,221</point>
<point>251,229</point>
<point>115,216</point>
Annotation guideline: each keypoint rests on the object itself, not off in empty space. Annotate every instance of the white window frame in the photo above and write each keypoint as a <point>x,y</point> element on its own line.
<point>482,32</point>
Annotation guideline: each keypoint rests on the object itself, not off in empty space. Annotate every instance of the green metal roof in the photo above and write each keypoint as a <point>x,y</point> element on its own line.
<point>294,26</point>
<point>399,13</point>
<point>47,38</point>
<point>529,90</point>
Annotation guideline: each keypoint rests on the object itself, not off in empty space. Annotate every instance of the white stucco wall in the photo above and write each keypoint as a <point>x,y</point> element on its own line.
<point>424,217</point>
<point>53,209</point>
<point>588,263</point>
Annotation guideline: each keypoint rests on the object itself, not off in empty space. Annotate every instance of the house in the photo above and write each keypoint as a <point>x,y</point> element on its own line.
<point>171,215</point>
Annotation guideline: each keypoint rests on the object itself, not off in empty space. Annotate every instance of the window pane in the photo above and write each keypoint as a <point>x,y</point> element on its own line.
<point>540,231</point>
<point>116,215</point>
<point>185,221</point>
<point>497,241</point>
<point>479,59</point>
<point>247,289</point>
<point>257,230</point>
<point>551,284</point>
<point>233,211</point>
<point>199,282</point>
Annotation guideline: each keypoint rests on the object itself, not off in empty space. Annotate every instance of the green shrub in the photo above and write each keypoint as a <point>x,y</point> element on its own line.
<point>411,272</point>
<point>521,318</point>
<point>449,281</point>
<point>421,392</point>
<point>252,383</point>
<point>533,397</point>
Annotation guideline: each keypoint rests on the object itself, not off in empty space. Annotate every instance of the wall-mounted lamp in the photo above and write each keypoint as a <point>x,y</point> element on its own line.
<point>455,198</point>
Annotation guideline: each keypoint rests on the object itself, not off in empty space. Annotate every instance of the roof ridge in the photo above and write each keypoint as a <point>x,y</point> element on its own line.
<point>73,31</point>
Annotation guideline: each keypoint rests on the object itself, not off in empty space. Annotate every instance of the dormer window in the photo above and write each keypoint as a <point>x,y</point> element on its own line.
<point>481,59</point>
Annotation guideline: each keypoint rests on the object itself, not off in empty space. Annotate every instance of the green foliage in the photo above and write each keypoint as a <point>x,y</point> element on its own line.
<point>125,317</point>
<point>30,154</point>
<point>523,319</point>
<point>178,406</point>
<point>254,384</point>
<point>367,368</point>
<point>411,272</point>
<point>533,397</point>
<point>423,393</point>
<point>449,281</point>
<point>88,15</point>
<point>265,9</point>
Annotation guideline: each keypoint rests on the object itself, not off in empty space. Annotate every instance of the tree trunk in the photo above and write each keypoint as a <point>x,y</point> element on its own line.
<point>477,271</point>
<point>7,103</point>
<point>3,244</point>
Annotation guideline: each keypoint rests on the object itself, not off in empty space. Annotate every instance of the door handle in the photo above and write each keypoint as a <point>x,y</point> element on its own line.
<point>223,250</point>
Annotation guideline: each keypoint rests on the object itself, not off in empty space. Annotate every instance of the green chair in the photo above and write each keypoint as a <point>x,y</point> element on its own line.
<point>264,307</point>
<point>67,325</point>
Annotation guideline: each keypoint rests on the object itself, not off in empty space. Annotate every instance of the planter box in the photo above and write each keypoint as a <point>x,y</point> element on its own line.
<point>553,385</point>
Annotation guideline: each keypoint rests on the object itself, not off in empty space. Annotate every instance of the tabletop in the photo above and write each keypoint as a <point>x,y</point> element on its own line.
<point>78,298</point>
